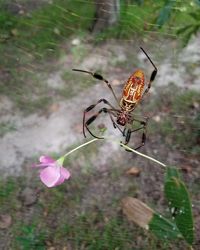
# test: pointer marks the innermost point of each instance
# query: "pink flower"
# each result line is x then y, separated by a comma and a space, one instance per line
52, 173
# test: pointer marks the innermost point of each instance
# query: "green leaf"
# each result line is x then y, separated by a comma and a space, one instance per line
195, 15
184, 29
187, 36
191, 29
165, 13
179, 201
145, 217
172, 172
196, 28
164, 228
188, 31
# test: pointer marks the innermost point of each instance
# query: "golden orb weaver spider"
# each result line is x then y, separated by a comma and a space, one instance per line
133, 92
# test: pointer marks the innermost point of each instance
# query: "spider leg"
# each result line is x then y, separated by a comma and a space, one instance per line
124, 131
127, 137
115, 125
153, 74
101, 78
88, 122
143, 140
148, 58
93, 118
144, 127
93, 106
129, 132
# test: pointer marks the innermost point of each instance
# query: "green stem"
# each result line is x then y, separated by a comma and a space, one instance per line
80, 146
143, 155
121, 144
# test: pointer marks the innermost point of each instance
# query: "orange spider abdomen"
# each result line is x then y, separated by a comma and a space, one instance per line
133, 88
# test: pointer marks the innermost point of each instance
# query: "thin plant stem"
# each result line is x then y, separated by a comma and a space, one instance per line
80, 146
143, 155
121, 144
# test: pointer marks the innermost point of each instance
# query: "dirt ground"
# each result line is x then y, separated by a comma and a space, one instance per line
59, 127
52, 132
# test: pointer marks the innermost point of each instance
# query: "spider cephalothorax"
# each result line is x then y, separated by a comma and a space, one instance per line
133, 92
122, 118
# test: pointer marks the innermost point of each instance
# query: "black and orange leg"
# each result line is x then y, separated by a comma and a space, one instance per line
92, 107
101, 78
115, 125
129, 132
153, 74
93, 118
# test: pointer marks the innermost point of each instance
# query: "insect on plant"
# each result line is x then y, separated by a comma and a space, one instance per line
123, 117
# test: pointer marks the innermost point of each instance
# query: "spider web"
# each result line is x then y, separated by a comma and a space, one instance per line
44, 40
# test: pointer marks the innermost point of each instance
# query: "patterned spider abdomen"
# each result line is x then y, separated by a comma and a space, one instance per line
133, 88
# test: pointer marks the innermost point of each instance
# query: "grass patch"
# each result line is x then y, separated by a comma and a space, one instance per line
26, 40
74, 84
29, 106
179, 124
6, 127
60, 218
41, 30
7, 188
29, 237
112, 234
9, 191
140, 19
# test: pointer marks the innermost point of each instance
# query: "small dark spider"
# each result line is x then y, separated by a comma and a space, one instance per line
133, 92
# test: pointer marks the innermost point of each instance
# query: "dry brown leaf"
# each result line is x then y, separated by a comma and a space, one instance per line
28, 196
54, 107
51, 248
133, 171
5, 221
137, 211
45, 212
186, 168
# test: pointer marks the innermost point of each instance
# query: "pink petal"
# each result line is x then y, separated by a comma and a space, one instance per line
65, 173
42, 165
60, 181
50, 176
46, 159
